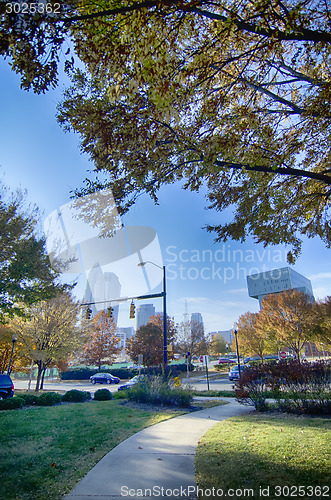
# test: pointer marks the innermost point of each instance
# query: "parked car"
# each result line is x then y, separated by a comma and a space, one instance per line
131, 382
6, 387
234, 372
104, 378
223, 361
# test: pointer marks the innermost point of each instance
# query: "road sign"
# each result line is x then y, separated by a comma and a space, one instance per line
283, 355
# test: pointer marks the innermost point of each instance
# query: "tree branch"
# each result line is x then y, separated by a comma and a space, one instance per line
295, 172
303, 35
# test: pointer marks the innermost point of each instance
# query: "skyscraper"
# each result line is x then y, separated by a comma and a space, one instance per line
196, 317
144, 312
101, 288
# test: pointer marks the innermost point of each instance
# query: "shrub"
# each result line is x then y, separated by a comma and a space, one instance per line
251, 388
86, 373
48, 399
11, 403
215, 394
75, 396
222, 368
296, 387
120, 395
103, 395
161, 391
28, 399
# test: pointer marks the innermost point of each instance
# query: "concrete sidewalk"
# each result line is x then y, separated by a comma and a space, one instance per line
155, 462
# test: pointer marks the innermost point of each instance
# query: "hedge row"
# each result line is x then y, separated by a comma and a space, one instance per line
122, 373
295, 387
86, 373
53, 398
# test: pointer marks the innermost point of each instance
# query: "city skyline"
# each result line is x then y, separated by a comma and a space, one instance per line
201, 275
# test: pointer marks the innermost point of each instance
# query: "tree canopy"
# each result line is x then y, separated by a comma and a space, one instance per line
190, 338
49, 332
289, 318
230, 96
26, 276
148, 341
254, 338
103, 344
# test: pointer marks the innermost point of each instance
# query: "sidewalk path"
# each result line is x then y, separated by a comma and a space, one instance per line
156, 462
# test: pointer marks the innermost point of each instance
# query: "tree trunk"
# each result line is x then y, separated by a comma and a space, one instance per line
30, 375
42, 377
38, 376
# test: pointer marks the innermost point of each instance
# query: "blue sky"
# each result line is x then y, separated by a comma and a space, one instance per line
210, 278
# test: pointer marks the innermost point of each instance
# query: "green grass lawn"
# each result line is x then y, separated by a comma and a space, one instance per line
46, 450
218, 394
274, 451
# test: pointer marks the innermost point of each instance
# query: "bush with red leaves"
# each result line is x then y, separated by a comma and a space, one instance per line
295, 387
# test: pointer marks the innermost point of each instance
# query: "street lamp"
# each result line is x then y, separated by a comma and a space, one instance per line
235, 331
14, 338
227, 355
165, 341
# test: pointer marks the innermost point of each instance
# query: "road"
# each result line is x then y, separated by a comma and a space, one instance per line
198, 383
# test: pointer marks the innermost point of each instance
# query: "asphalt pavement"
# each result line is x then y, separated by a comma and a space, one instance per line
155, 462
197, 381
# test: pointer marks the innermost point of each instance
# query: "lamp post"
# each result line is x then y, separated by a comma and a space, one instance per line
323, 349
165, 341
235, 331
14, 338
227, 355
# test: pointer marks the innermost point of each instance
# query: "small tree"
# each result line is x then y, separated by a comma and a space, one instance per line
149, 341
50, 332
322, 329
251, 336
19, 360
190, 338
103, 344
217, 345
157, 319
290, 315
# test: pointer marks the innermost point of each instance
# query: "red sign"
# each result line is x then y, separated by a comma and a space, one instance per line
283, 354
201, 359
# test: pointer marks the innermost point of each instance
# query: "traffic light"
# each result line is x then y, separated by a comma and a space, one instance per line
110, 312
132, 310
88, 313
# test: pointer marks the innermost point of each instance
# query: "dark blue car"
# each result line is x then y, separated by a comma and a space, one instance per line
104, 378
6, 387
